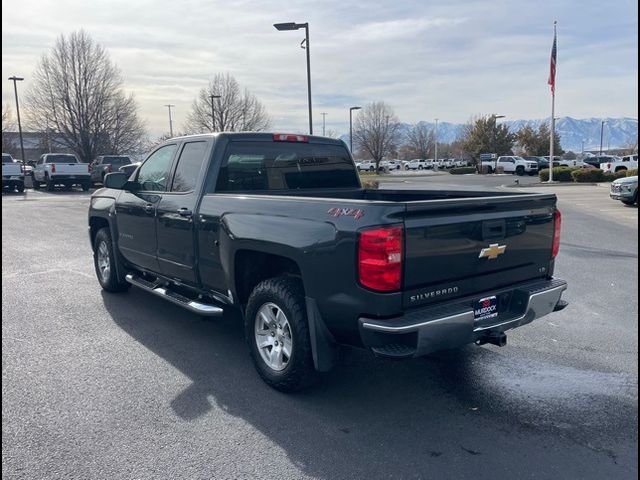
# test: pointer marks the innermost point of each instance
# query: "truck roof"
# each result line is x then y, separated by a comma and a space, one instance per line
259, 136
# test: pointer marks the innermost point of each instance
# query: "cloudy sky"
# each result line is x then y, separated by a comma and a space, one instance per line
440, 58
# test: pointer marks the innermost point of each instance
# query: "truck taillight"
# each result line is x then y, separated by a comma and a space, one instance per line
53, 168
380, 258
608, 166
290, 137
557, 224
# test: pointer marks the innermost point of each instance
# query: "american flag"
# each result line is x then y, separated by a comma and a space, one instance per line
552, 67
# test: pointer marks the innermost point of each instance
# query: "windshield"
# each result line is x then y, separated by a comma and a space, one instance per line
61, 159
6, 158
116, 160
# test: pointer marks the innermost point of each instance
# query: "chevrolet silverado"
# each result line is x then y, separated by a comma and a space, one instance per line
278, 227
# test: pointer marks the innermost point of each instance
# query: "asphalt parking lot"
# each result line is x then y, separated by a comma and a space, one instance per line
98, 385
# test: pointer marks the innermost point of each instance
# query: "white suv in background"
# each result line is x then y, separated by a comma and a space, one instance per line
417, 164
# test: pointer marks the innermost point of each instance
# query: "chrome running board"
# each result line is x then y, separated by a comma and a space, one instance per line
194, 306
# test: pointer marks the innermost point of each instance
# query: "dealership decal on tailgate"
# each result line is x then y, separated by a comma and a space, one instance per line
486, 308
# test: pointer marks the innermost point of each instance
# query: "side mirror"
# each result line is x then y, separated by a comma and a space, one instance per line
115, 180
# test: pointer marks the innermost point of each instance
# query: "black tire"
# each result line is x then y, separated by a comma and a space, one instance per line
86, 186
288, 295
50, 185
36, 184
520, 171
20, 187
621, 169
632, 202
109, 282
420, 167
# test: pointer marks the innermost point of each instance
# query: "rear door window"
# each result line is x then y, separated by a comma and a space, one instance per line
251, 166
189, 166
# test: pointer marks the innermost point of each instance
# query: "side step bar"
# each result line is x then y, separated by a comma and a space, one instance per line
200, 308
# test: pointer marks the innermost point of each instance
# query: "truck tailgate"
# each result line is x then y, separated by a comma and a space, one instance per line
71, 169
11, 169
455, 249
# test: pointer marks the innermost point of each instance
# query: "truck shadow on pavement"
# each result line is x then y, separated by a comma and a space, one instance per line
373, 418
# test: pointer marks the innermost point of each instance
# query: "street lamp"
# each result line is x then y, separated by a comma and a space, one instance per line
305, 44
601, 134
324, 114
170, 120
351, 127
213, 117
15, 79
495, 117
435, 160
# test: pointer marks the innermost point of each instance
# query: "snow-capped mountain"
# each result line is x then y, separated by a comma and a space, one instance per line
617, 132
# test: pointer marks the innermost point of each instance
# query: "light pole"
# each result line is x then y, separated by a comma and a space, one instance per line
582, 152
213, 117
493, 137
435, 154
601, 134
351, 127
15, 79
324, 114
170, 120
306, 46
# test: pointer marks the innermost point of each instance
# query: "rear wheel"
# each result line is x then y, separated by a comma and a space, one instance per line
277, 332
20, 187
36, 184
86, 186
50, 184
107, 263
520, 171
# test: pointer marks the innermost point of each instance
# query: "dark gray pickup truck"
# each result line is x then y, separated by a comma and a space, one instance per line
279, 227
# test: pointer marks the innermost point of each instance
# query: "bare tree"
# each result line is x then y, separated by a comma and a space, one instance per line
376, 131
235, 110
8, 124
421, 140
78, 93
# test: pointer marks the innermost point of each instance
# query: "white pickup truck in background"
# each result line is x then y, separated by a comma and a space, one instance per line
12, 176
512, 164
626, 163
61, 169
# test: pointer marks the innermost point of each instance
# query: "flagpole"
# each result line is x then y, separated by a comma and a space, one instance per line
553, 115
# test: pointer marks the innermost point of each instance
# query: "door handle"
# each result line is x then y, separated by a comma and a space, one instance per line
185, 212
148, 208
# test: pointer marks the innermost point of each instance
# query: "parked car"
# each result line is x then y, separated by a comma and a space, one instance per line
512, 164
395, 165
417, 164
626, 163
598, 160
389, 165
367, 166
12, 176
106, 164
129, 169
61, 169
625, 189
541, 161
311, 260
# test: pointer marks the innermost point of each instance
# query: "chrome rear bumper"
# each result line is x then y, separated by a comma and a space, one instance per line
453, 324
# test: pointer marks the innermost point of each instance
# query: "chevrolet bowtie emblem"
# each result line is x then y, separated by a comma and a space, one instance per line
493, 251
